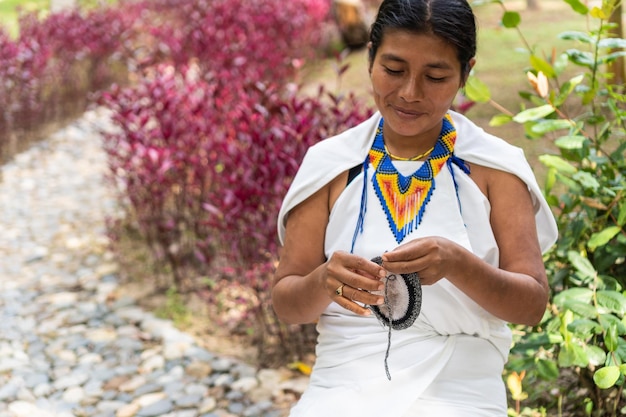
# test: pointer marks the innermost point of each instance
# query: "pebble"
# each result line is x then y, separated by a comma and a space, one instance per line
67, 347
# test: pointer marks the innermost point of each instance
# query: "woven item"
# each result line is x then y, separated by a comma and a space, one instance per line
403, 300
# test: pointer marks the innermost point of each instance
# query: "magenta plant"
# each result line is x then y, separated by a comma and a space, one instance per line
239, 40
211, 131
49, 69
204, 169
23, 65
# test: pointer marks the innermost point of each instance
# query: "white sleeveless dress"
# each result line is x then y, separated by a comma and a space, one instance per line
449, 363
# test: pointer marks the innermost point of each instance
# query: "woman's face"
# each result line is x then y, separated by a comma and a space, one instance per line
415, 78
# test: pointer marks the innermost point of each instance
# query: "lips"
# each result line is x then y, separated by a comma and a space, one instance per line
406, 112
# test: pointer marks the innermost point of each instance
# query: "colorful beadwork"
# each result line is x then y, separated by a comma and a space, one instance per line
404, 199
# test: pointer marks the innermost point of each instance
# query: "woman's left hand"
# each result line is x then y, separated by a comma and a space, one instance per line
432, 258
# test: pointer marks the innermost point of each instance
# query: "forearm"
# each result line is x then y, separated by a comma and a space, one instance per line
300, 299
516, 297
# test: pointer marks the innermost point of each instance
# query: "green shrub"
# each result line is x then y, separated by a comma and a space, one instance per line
581, 334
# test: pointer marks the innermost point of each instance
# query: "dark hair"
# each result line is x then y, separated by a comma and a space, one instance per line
451, 20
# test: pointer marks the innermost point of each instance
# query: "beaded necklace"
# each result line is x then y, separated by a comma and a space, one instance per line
404, 198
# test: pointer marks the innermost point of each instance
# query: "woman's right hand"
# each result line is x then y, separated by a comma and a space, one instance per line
349, 280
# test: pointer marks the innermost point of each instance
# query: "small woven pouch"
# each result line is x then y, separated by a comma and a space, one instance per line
403, 302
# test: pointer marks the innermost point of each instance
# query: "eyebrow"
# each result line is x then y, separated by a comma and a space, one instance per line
396, 58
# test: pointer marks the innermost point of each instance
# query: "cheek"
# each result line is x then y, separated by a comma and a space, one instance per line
381, 86
444, 95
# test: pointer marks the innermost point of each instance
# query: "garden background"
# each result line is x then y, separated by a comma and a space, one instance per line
216, 101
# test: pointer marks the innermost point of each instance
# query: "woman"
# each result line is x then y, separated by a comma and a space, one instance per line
434, 197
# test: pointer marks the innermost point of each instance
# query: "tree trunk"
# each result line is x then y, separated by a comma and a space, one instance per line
350, 18
532, 4
617, 67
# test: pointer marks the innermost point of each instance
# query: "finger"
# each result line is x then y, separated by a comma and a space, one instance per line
351, 305
406, 252
398, 266
353, 278
364, 297
365, 267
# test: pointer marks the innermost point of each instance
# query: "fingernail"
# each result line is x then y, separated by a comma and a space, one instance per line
382, 273
380, 301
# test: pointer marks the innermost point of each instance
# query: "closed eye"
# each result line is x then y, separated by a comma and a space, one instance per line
392, 71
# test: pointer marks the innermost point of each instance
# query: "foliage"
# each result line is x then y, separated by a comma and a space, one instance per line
210, 136
236, 40
58, 59
585, 117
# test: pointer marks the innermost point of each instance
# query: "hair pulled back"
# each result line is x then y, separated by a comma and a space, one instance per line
451, 20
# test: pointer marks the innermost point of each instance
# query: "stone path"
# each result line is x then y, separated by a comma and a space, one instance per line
67, 346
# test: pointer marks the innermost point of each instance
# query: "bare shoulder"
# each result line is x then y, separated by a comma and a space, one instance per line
308, 219
335, 188
496, 184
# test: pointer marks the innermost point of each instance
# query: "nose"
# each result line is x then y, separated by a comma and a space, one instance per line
411, 89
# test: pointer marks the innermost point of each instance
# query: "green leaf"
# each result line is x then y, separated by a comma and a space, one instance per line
612, 300
609, 320
621, 351
547, 369
511, 19
581, 309
578, 6
581, 264
572, 185
587, 180
611, 338
558, 163
567, 88
584, 59
612, 43
542, 65
550, 125
534, 113
570, 142
602, 238
612, 57
572, 355
500, 120
476, 90
573, 35
621, 217
573, 82
606, 377
584, 328
596, 355
584, 295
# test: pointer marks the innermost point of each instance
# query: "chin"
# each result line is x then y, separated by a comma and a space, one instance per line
413, 127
